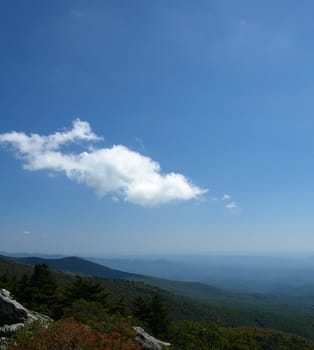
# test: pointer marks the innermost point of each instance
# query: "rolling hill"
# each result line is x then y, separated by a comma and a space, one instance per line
195, 290
179, 307
78, 266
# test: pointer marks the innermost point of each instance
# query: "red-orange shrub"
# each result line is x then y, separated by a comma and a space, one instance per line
69, 334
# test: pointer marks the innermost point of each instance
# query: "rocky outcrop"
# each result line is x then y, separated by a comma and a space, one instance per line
147, 341
14, 315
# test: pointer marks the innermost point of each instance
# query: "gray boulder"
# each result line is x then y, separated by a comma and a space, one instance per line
147, 341
14, 315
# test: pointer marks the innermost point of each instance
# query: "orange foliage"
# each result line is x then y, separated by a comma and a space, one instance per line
71, 335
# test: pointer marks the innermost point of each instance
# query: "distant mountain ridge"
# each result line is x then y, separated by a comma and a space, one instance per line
195, 290
272, 274
78, 266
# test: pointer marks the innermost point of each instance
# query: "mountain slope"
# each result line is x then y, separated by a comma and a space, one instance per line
182, 308
195, 290
78, 266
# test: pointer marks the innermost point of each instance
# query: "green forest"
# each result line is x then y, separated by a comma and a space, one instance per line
110, 307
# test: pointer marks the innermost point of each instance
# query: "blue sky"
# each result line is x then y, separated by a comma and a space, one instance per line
219, 93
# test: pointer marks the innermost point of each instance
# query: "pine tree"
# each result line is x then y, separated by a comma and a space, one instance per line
39, 291
120, 308
158, 317
43, 286
153, 313
86, 289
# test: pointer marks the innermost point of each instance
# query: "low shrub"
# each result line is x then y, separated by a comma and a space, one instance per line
69, 334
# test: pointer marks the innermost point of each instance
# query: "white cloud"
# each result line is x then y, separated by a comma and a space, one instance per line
117, 170
226, 197
233, 207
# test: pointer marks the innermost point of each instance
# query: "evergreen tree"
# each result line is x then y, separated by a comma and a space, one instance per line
86, 289
39, 291
140, 309
153, 313
4, 280
22, 290
7, 281
158, 316
120, 308
43, 286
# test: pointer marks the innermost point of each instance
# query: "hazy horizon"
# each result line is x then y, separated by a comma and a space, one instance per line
165, 255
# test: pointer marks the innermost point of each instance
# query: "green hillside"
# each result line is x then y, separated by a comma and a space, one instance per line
201, 292
182, 307
246, 301
190, 324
